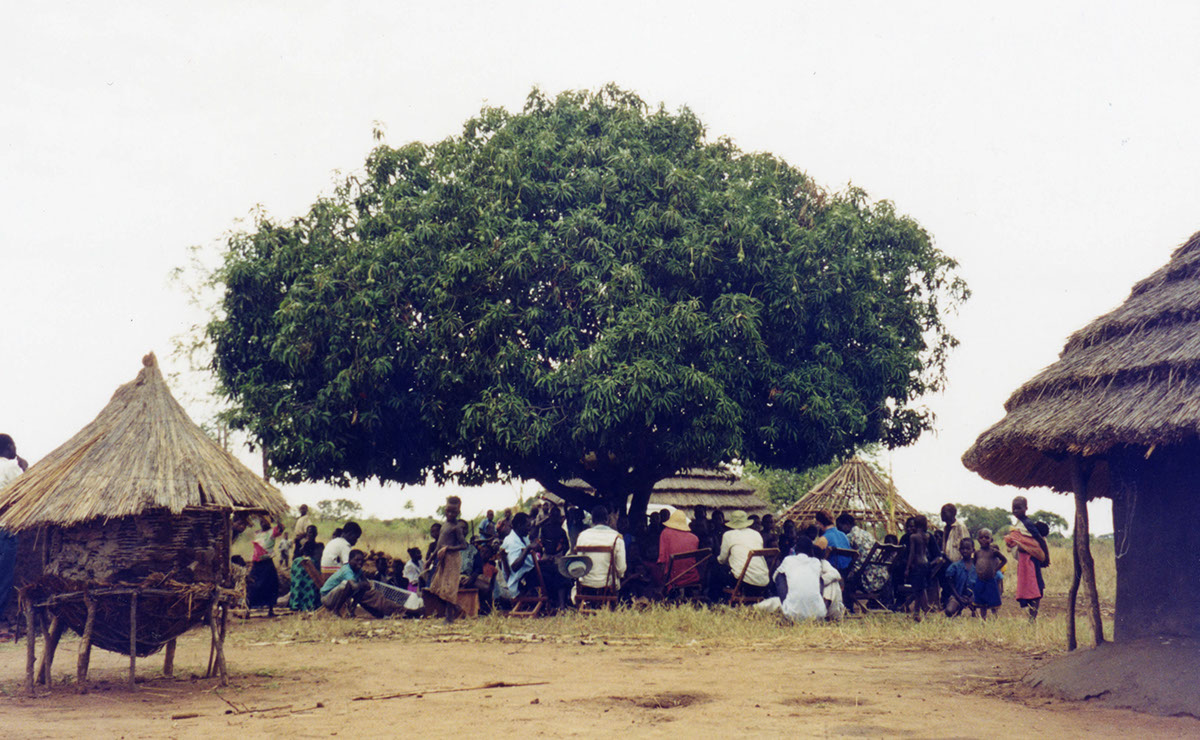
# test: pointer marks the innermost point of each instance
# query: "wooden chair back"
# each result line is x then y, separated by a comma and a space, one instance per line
698, 561
529, 605
857, 596
589, 599
736, 597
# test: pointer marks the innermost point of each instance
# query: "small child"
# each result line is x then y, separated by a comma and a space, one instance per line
960, 576
988, 562
917, 570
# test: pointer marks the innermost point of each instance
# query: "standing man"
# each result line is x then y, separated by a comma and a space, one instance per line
11, 466
300, 528
956, 532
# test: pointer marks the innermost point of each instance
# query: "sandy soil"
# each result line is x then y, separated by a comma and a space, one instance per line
309, 690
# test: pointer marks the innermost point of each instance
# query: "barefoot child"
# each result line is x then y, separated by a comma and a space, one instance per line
960, 579
988, 562
917, 570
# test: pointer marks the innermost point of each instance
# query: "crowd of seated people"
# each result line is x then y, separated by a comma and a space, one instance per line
801, 570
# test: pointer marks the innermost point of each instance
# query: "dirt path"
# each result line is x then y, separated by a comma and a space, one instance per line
590, 690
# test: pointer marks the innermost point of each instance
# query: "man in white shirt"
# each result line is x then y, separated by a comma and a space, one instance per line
519, 555
11, 467
798, 581
11, 464
603, 535
736, 545
337, 550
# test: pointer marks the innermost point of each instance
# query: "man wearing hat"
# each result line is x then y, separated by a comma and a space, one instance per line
735, 549
677, 537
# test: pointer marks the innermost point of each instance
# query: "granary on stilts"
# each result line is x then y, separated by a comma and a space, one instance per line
854, 488
712, 489
124, 530
1118, 416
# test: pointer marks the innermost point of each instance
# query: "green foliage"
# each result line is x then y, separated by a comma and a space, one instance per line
341, 508
978, 517
586, 289
781, 487
1057, 524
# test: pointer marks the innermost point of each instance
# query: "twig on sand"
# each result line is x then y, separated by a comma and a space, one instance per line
243, 709
994, 679
492, 685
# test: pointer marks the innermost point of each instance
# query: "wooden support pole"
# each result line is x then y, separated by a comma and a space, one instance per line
85, 644
1086, 567
1073, 593
53, 635
30, 646
133, 601
219, 641
169, 659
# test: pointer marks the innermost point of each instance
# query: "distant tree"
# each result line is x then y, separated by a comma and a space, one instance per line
978, 517
1057, 524
341, 508
589, 288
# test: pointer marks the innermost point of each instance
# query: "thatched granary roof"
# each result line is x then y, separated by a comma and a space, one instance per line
142, 452
857, 489
1129, 378
713, 489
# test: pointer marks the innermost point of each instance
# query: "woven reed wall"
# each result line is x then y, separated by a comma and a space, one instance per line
190, 546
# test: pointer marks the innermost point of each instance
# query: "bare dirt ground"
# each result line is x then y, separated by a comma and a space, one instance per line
586, 690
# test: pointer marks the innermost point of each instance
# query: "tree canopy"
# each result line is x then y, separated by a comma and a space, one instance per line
588, 288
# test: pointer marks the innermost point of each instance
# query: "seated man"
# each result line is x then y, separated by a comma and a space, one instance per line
519, 554
677, 537
337, 550
346, 585
836, 538
736, 545
602, 535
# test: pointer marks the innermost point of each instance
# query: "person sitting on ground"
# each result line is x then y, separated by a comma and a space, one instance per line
677, 537
960, 579
917, 566
412, 570
831, 581
798, 583
337, 550
736, 545
487, 528
304, 593
347, 586
520, 554
602, 535
836, 538
988, 578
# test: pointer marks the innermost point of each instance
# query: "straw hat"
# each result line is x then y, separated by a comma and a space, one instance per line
737, 519
678, 520
573, 567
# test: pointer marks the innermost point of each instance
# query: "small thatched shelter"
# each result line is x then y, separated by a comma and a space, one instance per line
854, 488
1118, 415
136, 506
712, 489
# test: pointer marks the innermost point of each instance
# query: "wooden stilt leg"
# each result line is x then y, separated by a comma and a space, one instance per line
169, 659
85, 645
1073, 593
1088, 569
30, 647
133, 601
221, 649
52, 637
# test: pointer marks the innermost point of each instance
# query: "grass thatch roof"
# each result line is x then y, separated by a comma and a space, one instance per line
857, 489
713, 489
142, 452
1129, 378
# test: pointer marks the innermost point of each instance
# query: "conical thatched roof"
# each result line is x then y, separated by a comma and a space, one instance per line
142, 452
1130, 378
713, 489
857, 489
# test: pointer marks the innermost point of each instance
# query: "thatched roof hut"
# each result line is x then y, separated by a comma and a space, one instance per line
141, 453
1118, 415
854, 488
138, 503
712, 489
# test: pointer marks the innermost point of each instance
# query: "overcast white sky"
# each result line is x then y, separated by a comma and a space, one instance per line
1050, 148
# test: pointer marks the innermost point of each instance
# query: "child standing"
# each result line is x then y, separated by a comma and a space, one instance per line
988, 562
917, 570
960, 579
